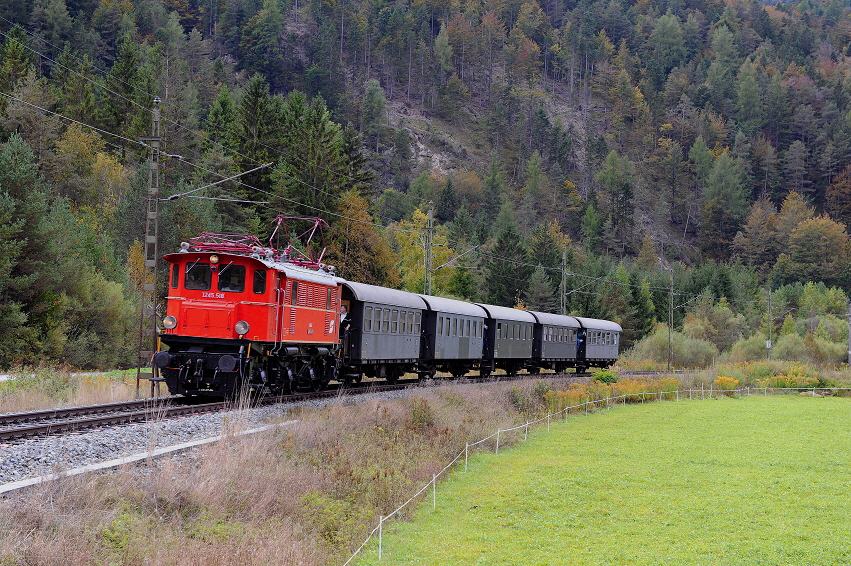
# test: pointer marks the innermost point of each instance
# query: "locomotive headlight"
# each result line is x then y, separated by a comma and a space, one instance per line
214, 259
170, 322
242, 328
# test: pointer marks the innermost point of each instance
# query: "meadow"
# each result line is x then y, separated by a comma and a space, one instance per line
736, 480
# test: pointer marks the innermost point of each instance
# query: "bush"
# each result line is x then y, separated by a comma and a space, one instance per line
605, 375
749, 349
687, 352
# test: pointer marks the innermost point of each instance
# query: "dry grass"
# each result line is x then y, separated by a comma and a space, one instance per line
307, 493
34, 389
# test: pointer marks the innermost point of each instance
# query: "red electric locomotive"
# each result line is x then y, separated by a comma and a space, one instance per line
243, 317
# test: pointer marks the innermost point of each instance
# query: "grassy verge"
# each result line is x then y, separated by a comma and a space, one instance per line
749, 480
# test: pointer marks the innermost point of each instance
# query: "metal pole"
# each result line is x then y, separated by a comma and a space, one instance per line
671, 319
563, 289
148, 315
771, 324
429, 236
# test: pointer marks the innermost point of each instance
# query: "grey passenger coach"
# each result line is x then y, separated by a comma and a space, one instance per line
452, 336
383, 335
555, 341
597, 343
508, 340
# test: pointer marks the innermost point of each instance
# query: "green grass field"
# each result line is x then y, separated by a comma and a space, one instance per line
751, 480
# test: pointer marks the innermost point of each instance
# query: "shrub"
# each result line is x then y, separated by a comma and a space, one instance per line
687, 352
605, 375
790, 347
748, 349
726, 383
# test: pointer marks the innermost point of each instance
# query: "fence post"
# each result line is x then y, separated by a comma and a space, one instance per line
497, 441
678, 394
466, 453
434, 492
642, 396
380, 529
526, 433
548, 423
586, 408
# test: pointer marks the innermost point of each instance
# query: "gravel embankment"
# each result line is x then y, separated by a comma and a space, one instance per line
49, 455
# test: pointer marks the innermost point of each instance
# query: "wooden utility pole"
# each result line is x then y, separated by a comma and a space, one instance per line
148, 315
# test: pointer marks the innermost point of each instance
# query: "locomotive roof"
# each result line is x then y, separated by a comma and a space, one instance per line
556, 319
597, 324
505, 313
453, 306
302, 273
288, 269
385, 296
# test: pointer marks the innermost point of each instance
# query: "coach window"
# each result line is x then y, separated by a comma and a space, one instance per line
260, 282
199, 277
367, 319
417, 322
385, 322
403, 320
175, 275
499, 330
394, 322
410, 322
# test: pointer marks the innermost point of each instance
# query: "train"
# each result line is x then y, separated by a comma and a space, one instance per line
243, 317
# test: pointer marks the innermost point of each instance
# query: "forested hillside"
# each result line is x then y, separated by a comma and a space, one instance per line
637, 156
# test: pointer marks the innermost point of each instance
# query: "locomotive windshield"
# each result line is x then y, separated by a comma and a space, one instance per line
199, 277
232, 278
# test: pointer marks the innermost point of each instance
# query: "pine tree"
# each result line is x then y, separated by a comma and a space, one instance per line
540, 294
506, 270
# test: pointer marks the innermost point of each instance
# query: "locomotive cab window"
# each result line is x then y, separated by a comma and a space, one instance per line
175, 276
259, 281
232, 278
199, 277
294, 293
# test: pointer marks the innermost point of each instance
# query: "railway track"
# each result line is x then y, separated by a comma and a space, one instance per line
19, 426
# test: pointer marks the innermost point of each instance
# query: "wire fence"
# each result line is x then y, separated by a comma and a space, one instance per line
585, 406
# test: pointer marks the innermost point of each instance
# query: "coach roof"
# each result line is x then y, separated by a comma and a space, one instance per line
385, 296
556, 319
452, 306
505, 313
597, 324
